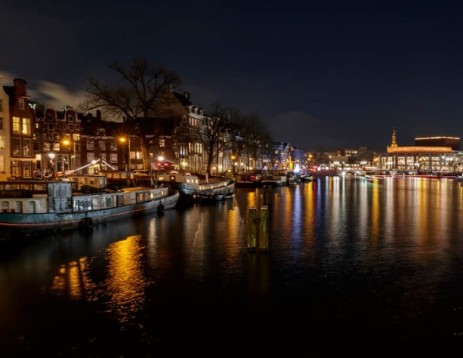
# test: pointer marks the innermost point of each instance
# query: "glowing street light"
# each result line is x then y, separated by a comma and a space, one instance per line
126, 141
183, 163
67, 143
52, 163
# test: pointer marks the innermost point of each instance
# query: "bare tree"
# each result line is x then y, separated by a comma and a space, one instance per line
212, 134
256, 137
236, 138
145, 91
229, 132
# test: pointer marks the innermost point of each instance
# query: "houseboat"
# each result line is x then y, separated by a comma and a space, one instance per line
31, 206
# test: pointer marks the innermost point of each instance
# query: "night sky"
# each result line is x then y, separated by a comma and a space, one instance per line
323, 75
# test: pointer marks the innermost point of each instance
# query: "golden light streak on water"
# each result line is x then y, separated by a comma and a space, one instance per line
125, 282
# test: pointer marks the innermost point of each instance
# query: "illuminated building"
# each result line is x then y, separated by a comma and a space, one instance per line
434, 154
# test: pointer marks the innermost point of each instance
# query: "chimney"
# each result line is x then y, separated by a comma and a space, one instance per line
20, 87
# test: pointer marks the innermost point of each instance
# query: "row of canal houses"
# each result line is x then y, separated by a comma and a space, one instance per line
44, 142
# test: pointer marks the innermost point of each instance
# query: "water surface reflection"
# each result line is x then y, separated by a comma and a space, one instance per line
348, 258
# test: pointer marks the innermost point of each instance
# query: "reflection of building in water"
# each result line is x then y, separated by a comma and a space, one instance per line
436, 154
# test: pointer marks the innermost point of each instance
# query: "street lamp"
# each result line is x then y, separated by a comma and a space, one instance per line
67, 143
159, 163
125, 140
52, 162
232, 160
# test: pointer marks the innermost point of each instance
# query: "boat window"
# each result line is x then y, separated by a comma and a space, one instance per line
5, 206
120, 200
83, 205
18, 207
32, 206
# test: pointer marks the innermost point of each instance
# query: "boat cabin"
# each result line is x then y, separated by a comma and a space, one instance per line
35, 196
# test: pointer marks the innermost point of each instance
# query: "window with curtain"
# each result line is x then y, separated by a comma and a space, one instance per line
26, 126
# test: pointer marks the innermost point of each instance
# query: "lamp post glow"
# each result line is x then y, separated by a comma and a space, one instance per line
233, 164
52, 162
160, 160
126, 140
67, 143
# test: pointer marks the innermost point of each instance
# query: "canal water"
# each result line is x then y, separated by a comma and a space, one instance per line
346, 260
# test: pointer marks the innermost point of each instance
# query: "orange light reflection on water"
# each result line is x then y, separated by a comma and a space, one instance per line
125, 282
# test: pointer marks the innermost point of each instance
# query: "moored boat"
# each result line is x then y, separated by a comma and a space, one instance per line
252, 180
274, 180
307, 178
192, 189
211, 197
31, 206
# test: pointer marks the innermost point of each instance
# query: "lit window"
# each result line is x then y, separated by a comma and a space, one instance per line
16, 146
26, 126
26, 144
16, 124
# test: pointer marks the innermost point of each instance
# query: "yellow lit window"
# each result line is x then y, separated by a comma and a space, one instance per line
26, 126
16, 124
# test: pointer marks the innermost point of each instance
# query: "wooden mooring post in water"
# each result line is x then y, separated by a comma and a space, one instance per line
258, 221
